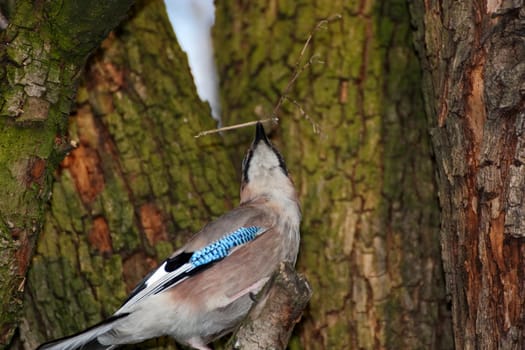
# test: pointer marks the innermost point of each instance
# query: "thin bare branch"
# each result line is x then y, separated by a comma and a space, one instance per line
236, 126
298, 69
315, 126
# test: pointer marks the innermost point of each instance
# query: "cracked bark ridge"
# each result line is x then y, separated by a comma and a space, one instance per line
271, 320
473, 58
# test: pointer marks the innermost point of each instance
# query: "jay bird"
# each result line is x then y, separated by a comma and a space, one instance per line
204, 289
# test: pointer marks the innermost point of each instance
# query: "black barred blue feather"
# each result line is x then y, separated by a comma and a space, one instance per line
204, 289
221, 248
178, 268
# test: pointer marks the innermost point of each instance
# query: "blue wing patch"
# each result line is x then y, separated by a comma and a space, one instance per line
178, 268
221, 248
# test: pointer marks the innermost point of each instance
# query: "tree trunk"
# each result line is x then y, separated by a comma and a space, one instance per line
42, 52
473, 58
271, 320
370, 245
134, 189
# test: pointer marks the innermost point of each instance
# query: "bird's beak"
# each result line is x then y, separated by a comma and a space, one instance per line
260, 135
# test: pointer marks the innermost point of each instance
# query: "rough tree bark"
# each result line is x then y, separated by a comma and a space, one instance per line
473, 57
137, 185
42, 52
370, 244
280, 305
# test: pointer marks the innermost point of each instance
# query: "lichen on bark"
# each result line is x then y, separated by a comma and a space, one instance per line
136, 187
37, 82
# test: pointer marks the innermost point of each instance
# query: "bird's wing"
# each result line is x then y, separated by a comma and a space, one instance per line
213, 243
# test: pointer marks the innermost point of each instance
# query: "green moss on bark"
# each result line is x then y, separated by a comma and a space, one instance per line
366, 181
138, 185
37, 82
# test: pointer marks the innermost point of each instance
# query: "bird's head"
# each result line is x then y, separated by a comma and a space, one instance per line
264, 172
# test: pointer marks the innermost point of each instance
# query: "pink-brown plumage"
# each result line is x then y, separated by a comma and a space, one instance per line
195, 305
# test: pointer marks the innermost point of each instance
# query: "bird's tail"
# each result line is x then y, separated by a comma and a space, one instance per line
85, 340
